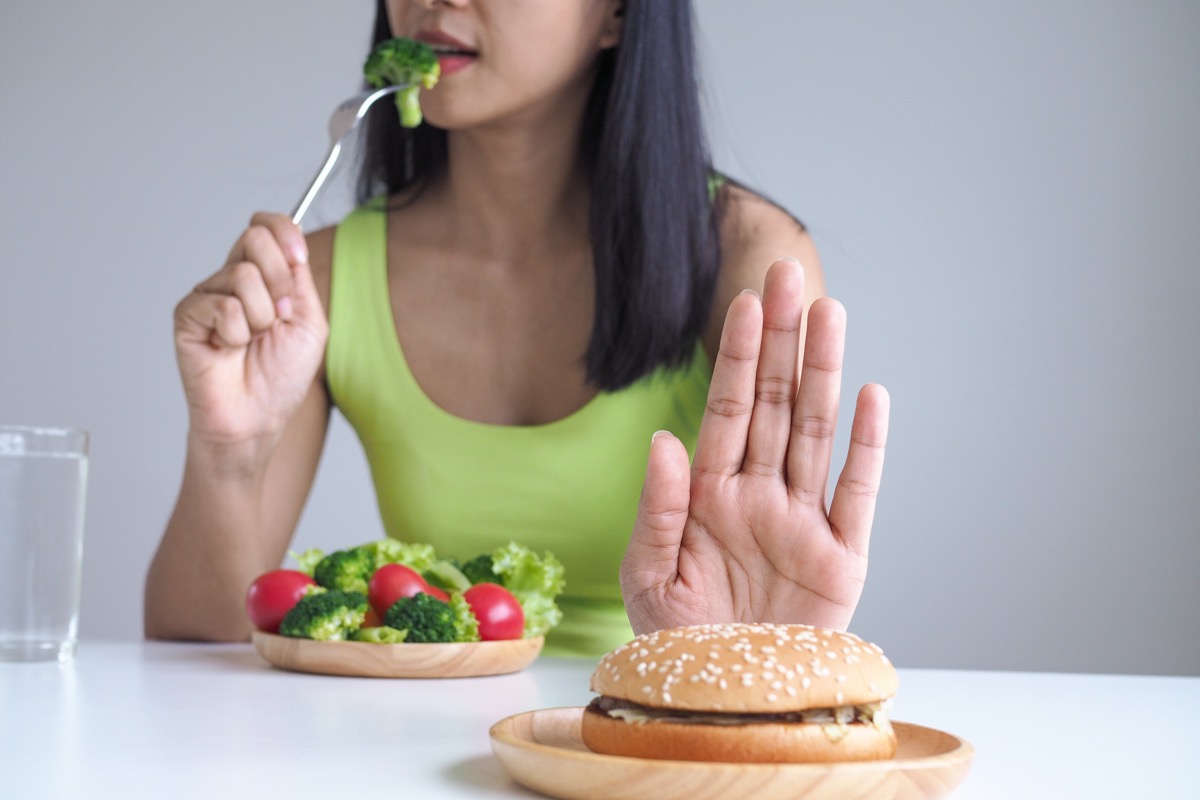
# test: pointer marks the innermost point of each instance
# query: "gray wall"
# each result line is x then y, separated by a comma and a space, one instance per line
1002, 195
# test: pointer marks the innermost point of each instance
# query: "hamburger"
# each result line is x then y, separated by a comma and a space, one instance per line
743, 693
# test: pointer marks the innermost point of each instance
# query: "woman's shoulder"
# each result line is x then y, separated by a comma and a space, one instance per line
755, 233
321, 241
755, 229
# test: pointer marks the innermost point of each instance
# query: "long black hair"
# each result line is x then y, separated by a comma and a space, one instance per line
653, 223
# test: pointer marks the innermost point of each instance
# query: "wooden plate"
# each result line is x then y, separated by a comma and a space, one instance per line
543, 751
369, 660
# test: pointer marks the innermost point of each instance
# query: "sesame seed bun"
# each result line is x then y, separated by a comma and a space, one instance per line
743, 692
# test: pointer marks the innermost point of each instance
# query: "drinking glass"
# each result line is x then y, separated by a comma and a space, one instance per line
43, 483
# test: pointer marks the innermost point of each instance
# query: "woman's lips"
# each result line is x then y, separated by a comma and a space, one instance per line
450, 63
453, 55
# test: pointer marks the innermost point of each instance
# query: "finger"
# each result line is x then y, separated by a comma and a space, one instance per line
814, 419
287, 233
853, 508
244, 281
306, 302
721, 444
218, 320
652, 557
276, 244
775, 386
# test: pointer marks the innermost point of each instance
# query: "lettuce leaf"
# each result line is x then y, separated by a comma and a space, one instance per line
418, 556
535, 581
307, 561
466, 625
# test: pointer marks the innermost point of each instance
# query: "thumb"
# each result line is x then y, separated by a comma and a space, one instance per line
652, 558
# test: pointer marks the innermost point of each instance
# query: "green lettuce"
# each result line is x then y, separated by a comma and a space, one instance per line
466, 625
535, 582
384, 551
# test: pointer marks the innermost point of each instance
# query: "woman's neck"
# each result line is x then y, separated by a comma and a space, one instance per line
515, 191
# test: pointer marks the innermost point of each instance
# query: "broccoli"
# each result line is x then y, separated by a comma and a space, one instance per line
325, 615
380, 634
426, 618
406, 63
348, 570
479, 570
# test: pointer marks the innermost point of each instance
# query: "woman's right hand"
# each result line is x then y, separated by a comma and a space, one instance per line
250, 339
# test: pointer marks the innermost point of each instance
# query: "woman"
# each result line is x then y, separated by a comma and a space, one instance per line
544, 287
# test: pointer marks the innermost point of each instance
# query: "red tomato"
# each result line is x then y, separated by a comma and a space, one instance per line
500, 615
393, 581
273, 594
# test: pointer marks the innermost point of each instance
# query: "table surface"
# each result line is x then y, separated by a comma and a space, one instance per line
142, 719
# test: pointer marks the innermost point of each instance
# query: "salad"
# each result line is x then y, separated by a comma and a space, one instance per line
389, 592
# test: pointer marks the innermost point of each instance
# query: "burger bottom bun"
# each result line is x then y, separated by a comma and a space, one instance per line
762, 742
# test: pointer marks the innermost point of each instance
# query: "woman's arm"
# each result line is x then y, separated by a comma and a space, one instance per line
250, 343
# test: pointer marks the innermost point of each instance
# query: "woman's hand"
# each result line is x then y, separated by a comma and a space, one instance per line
745, 534
249, 340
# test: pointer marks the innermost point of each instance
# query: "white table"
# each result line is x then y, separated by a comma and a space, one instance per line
133, 720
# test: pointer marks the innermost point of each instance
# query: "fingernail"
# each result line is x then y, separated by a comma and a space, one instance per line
283, 307
657, 434
298, 253
750, 291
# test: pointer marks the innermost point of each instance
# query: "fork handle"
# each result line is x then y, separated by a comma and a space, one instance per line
317, 182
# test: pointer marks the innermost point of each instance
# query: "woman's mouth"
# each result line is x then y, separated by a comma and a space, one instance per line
452, 54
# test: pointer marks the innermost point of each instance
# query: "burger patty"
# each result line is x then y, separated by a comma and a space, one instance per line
873, 714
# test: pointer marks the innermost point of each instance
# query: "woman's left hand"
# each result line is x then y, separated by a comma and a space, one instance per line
745, 535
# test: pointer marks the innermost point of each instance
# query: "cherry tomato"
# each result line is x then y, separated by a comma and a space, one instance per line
499, 613
273, 594
393, 581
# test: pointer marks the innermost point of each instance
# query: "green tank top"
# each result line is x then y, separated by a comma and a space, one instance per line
570, 486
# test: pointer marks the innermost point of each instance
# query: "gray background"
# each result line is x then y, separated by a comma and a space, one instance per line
1003, 194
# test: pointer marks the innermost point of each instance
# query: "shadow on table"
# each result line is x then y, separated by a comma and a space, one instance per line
485, 777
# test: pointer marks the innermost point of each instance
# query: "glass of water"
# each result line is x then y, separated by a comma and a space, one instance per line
43, 483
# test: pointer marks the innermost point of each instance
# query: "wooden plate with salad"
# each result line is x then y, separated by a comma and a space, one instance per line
406, 660
391, 609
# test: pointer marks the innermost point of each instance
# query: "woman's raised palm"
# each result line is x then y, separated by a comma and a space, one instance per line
745, 534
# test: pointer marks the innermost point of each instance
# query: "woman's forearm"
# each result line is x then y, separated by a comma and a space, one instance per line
213, 547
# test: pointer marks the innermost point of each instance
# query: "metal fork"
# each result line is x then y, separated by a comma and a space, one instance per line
342, 121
